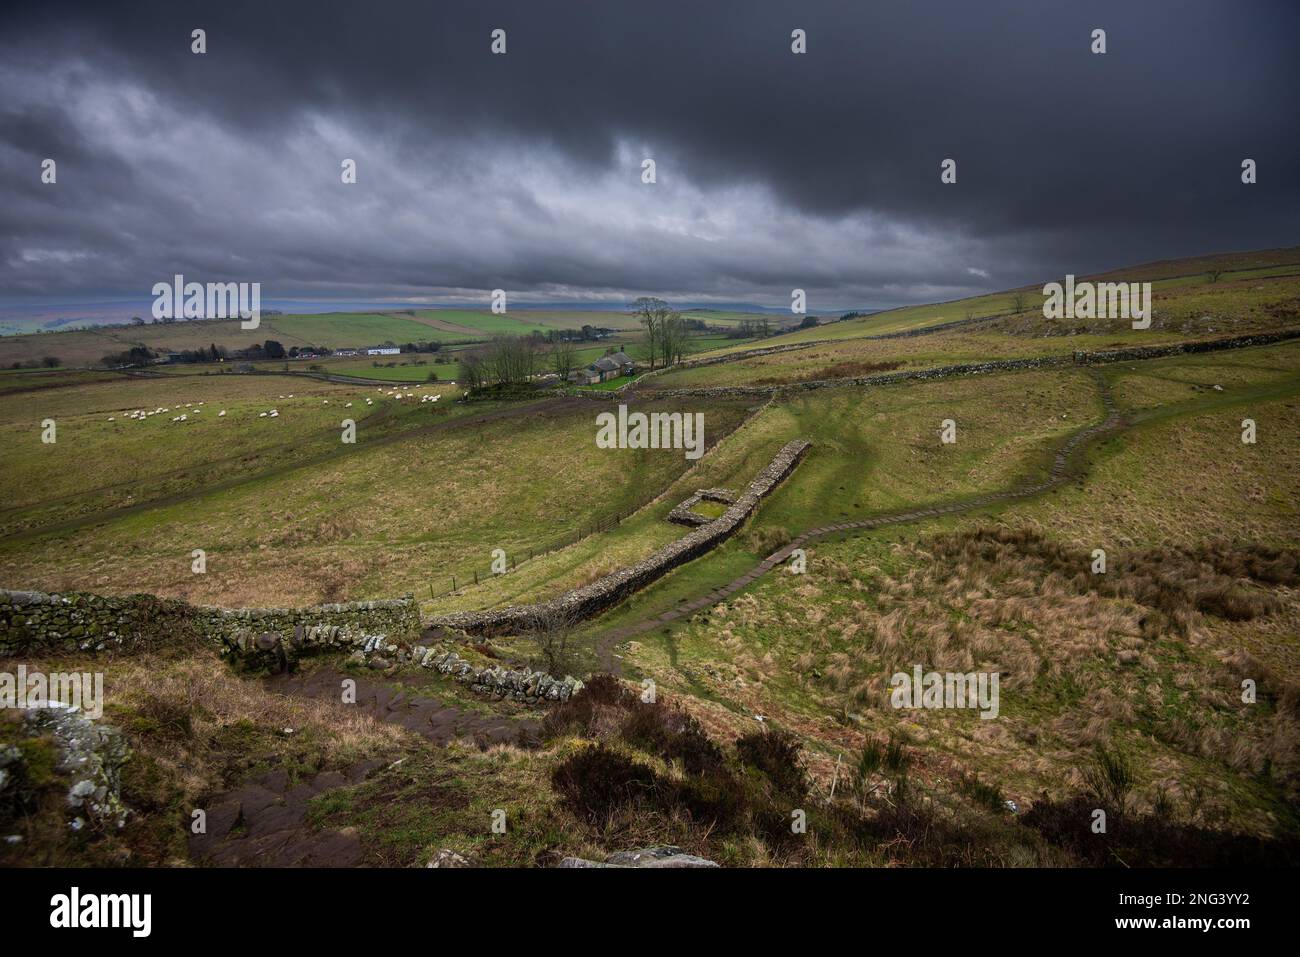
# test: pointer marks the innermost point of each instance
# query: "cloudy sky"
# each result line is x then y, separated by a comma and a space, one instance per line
477, 171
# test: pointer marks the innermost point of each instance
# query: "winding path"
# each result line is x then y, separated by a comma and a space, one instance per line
1058, 476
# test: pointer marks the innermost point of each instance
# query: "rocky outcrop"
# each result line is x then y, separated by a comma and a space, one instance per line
87, 753
581, 603
445, 857
660, 856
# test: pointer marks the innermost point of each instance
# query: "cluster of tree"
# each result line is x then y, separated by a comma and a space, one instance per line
666, 331
270, 349
45, 362
751, 329
588, 333
135, 356
563, 358
421, 346
212, 353
506, 361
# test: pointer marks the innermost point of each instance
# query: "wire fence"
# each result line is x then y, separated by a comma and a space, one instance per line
452, 581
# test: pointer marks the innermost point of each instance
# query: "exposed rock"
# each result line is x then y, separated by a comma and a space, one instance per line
91, 754
664, 855
447, 858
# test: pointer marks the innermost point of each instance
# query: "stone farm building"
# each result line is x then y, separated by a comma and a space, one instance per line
384, 351
605, 368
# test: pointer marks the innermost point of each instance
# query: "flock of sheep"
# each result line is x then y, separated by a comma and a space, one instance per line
194, 408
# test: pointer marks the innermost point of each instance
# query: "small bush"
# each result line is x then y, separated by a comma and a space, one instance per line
984, 795
871, 760
598, 782
167, 716
897, 759
765, 541
776, 754
583, 713
1110, 778
673, 735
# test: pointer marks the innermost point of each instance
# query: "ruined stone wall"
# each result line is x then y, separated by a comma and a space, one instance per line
492, 681
581, 603
34, 623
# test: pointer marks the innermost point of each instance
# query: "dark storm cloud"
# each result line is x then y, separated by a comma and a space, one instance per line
522, 171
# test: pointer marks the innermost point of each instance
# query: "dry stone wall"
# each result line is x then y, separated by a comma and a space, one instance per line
34, 623
492, 681
574, 606
685, 514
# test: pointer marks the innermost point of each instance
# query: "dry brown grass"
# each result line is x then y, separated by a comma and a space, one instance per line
1155, 651
202, 691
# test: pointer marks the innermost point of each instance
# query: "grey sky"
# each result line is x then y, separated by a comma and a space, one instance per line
523, 171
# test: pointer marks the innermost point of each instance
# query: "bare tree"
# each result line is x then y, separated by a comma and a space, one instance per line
564, 357
473, 371
1018, 303
652, 313
672, 338
550, 626
511, 360
1215, 274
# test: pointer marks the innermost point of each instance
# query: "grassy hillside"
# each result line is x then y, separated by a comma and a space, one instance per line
1119, 689
1164, 276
